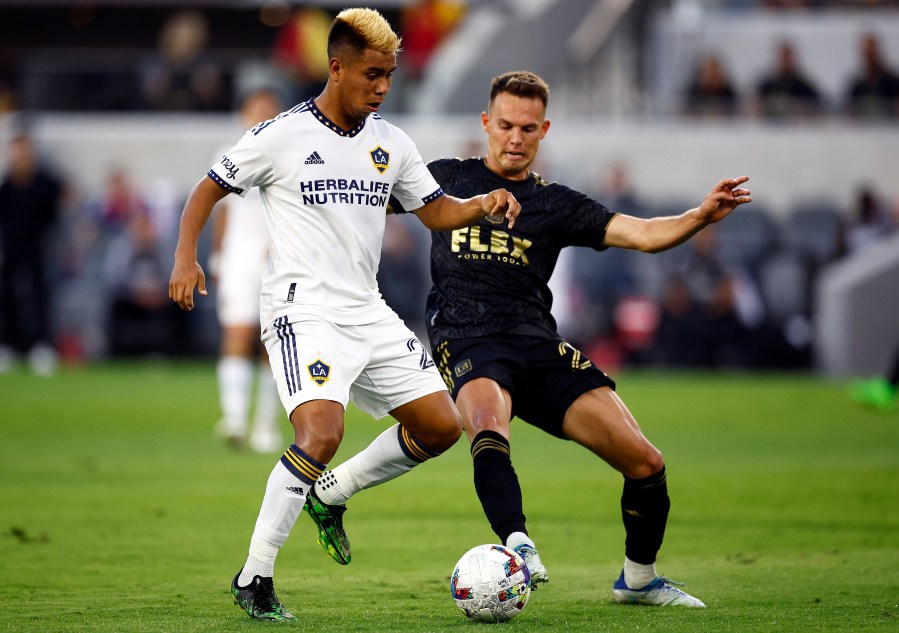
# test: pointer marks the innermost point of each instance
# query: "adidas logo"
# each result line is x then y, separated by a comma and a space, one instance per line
314, 159
295, 490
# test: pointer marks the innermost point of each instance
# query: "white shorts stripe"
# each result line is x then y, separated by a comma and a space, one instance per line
289, 355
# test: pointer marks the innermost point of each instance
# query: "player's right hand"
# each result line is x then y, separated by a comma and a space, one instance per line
501, 203
186, 276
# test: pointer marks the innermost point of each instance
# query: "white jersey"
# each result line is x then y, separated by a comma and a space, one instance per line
325, 192
243, 259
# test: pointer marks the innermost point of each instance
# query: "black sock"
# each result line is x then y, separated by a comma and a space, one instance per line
497, 484
644, 509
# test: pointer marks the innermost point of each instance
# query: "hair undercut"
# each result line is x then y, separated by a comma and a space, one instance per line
520, 83
355, 30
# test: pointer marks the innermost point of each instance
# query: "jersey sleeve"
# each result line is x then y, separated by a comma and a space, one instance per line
243, 166
442, 168
585, 219
415, 186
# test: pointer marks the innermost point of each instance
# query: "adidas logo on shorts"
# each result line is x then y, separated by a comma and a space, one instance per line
314, 159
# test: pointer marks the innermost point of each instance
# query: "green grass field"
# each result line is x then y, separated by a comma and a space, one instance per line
119, 511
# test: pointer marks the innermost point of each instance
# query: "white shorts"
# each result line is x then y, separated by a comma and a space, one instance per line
379, 366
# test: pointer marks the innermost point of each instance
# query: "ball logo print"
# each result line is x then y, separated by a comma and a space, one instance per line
491, 583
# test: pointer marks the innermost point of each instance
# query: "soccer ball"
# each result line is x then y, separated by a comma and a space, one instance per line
491, 583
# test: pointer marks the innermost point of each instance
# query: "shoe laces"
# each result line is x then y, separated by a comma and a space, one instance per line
335, 513
668, 581
526, 551
264, 597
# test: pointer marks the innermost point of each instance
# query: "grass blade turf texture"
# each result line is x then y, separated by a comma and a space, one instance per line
120, 511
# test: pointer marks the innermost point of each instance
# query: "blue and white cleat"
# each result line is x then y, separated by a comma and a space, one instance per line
535, 566
659, 592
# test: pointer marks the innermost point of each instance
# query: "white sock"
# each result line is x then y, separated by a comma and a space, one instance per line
637, 576
256, 567
386, 458
235, 379
267, 402
285, 494
519, 538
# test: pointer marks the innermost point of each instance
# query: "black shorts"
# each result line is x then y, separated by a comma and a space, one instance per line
544, 374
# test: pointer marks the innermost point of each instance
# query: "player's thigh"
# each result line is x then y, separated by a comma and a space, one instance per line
313, 360
557, 376
399, 370
600, 421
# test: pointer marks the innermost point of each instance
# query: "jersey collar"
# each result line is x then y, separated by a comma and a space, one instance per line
531, 174
328, 123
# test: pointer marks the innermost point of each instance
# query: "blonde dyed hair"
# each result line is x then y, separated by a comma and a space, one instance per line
359, 28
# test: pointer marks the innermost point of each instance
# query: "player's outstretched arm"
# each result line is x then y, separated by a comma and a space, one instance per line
187, 272
447, 212
659, 234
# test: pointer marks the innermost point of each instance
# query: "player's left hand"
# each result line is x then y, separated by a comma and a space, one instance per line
498, 204
724, 197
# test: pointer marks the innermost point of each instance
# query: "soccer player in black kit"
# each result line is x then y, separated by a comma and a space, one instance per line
496, 343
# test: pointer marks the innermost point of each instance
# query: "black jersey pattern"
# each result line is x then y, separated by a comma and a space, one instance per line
488, 278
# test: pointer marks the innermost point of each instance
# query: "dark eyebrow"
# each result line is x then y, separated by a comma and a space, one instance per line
507, 122
378, 69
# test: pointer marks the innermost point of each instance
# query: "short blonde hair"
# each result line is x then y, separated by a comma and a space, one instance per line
358, 29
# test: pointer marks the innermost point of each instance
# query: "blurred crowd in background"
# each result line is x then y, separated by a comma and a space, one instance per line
785, 92
738, 295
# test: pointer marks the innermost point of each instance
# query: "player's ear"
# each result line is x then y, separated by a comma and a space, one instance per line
544, 129
485, 120
334, 68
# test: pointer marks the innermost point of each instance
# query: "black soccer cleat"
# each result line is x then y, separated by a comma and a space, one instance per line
259, 600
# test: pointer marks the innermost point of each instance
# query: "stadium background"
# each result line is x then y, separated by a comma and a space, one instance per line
119, 509
80, 75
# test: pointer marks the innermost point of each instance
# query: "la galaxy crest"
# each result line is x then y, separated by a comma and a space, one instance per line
380, 159
319, 371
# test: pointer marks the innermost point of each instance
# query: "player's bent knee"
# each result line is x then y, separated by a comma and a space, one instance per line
442, 433
318, 437
483, 421
448, 433
651, 463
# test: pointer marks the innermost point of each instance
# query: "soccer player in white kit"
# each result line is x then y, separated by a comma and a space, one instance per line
325, 170
238, 262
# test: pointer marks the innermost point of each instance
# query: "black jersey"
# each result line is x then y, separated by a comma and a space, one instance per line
488, 278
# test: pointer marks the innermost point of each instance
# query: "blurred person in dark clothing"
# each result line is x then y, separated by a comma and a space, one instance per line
118, 202
710, 92
874, 92
701, 323
182, 75
29, 206
870, 223
785, 92
141, 318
